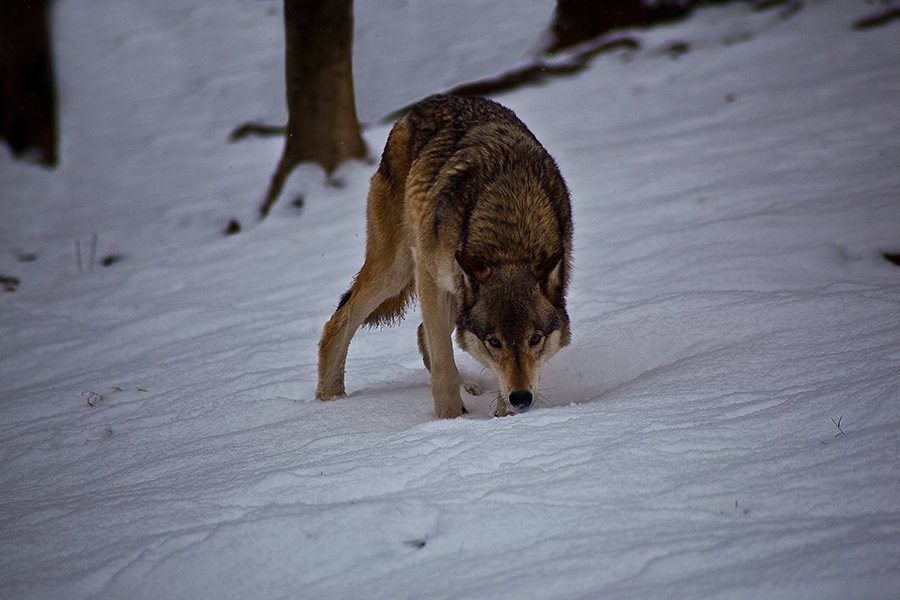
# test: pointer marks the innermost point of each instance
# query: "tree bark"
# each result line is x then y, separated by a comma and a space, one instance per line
576, 21
27, 88
322, 123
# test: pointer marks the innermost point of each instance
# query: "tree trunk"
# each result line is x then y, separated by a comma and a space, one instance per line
576, 21
27, 89
322, 124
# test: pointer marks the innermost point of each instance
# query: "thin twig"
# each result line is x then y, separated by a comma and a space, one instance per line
93, 254
838, 425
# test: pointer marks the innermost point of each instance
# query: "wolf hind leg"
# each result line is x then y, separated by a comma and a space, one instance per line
379, 292
374, 285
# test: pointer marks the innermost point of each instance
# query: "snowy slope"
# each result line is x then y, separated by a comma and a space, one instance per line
729, 300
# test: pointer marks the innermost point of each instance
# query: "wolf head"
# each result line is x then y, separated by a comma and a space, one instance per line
512, 319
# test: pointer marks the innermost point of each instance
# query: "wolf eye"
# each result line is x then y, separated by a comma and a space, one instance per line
535, 340
493, 341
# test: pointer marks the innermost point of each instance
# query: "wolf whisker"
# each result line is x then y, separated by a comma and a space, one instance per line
499, 408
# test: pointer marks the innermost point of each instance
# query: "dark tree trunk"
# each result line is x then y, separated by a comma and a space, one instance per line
576, 21
27, 89
322, 124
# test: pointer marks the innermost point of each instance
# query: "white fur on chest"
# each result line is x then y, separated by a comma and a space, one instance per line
446, 278
444, 275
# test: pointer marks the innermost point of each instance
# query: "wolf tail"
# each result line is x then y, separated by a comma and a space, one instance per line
392, 310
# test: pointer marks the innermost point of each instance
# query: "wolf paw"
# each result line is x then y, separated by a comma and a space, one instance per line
450, 412
329, 392
473, 388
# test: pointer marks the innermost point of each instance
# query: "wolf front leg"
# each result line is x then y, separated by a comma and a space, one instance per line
437, 306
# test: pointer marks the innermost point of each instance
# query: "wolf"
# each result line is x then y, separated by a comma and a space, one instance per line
468, 212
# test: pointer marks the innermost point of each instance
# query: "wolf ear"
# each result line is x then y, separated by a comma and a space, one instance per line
473, 267
541, 270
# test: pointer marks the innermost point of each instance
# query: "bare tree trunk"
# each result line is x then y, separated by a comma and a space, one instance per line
576, 21
322, 124
27, 88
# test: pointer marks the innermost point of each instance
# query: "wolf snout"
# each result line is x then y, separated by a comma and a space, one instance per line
520, 400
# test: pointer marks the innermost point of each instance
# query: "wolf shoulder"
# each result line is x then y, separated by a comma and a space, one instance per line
475, 159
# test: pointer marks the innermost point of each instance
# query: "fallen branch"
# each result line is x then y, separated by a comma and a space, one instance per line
877, 20
535, 73
256, 129
9, 283
838, 425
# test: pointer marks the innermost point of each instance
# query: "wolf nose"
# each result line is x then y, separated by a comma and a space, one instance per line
520, 400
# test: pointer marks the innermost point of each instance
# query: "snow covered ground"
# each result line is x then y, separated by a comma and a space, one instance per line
158, 433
